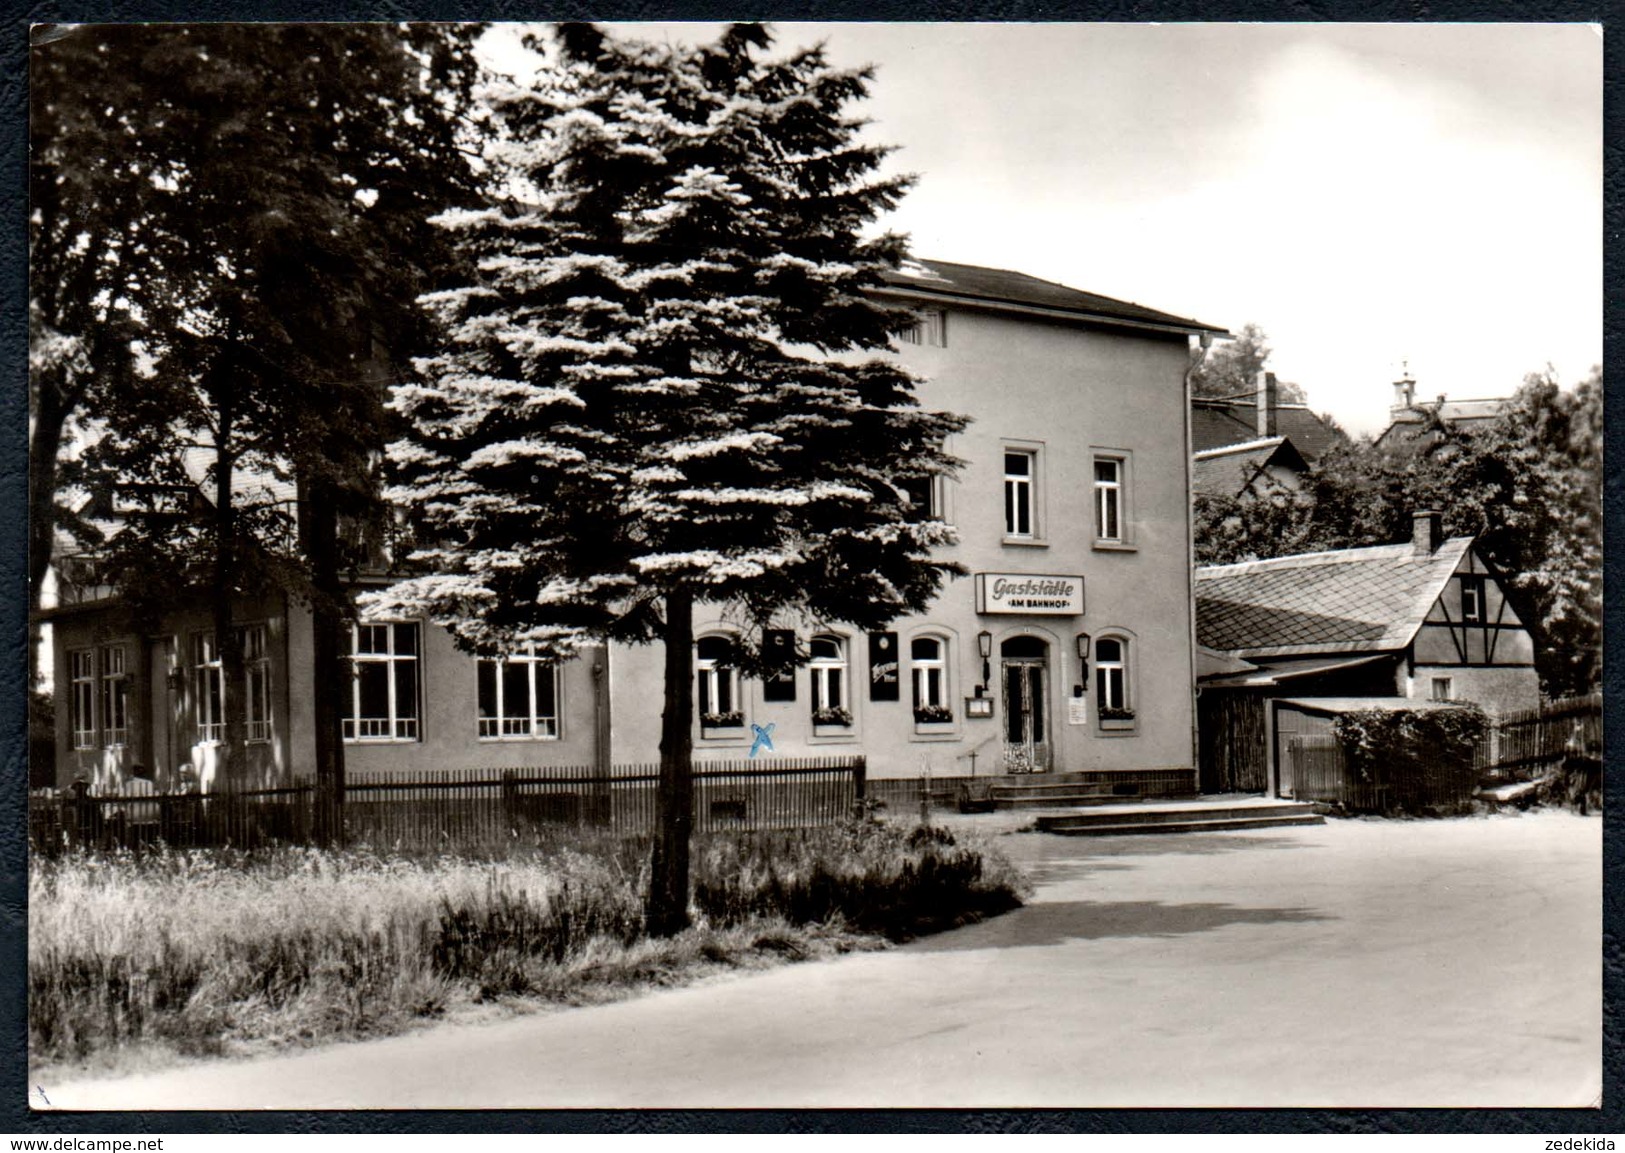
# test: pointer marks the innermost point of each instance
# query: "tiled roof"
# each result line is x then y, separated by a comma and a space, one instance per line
1409, 422
1216, 423
1353, 600
994, 286
1228, 471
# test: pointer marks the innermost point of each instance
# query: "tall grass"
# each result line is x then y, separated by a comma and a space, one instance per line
207, 952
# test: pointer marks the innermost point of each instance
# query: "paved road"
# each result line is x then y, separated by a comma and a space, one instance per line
1362, 963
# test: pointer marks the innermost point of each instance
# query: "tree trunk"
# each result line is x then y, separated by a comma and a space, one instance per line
674, 807
230, 767
328, 674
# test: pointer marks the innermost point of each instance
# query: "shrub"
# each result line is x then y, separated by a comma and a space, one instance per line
1425, 758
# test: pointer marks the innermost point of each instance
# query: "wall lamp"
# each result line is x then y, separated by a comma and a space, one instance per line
1083, 666
984, 646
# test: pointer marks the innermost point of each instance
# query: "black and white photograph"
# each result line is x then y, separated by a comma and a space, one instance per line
791, 566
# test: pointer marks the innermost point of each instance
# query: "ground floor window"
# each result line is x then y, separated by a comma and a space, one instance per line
717, 682
1444, 689
519, 698
828, 668
383, 701
208, 689
257, 674
82, 698
928, 658
209, 685
115, 697
1111, 679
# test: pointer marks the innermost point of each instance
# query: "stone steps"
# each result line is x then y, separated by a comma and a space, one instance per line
1109, 820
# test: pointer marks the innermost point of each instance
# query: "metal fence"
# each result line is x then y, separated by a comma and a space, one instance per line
461, 808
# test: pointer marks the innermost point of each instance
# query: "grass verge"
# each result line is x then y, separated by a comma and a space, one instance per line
137, 960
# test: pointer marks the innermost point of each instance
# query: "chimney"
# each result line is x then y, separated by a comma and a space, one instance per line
1404, 395
1426, 532
1265, 403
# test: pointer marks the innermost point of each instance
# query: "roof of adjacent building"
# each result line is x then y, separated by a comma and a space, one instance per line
1361, 704
1229, 470
1411, 420
1351, 600
996, 287
1217, 423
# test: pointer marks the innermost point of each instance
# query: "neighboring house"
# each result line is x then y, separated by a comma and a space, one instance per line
1410, 420
1069, 644
1223, 422
1248, 470
1425, 620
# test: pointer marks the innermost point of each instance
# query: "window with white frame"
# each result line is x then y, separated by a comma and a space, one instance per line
208, 689
1472, 599
1108, 498
1111, 678
382, 704
931, 329
924, 501
82, 698
518, 698
1444, 688
828, 669
928, 657
115, 697
257, 676
718, 683
1020, 494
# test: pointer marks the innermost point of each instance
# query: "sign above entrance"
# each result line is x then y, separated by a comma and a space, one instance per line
1029, 594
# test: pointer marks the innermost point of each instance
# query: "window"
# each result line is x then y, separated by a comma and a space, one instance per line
928, 657
718, 683
1019, 473
257, 671
209, 685
923, 503
115, 697
828, 668
82, 668
1108, 499
1443, 689
1472, 599
519, 698
383, 700
931, 329
1111, 679
208, 689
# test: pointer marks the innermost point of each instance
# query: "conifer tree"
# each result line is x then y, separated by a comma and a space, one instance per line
655, 390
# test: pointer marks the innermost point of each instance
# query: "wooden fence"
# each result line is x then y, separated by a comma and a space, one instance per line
466, 808
1530, 743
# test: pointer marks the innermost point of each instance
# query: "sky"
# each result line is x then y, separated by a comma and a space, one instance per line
1376, 197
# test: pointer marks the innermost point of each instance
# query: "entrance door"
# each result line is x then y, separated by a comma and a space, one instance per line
1025, 664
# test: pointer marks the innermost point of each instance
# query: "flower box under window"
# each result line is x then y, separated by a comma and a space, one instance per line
832, 718
1111, 718
733, 720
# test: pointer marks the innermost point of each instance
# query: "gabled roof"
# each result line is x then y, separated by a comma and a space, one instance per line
1217, 423
1000, 289
1406, 423
1352, 600
1230, 470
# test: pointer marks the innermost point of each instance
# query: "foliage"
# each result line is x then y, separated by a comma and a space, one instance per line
657, 387
1231, 368
836, 716
1110, 714
1413, 750
933, 715
1527, 486
154, 950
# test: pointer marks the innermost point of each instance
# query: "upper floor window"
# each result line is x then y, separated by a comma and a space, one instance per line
1111, 677
115, 697
1472, 599
930, 329
519, 698
828, 668
923, 494
1108, 499
718, 683
82, 698
1020, 497
382, 704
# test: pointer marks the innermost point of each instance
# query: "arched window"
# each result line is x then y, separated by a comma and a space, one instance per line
1111, 675
929, 658
718, 683
828, 667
